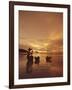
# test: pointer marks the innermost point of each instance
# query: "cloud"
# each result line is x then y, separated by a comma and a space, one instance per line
41, 31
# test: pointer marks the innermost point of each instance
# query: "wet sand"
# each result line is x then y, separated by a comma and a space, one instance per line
43, 69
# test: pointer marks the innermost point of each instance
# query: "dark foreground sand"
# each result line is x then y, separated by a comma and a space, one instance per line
43, 69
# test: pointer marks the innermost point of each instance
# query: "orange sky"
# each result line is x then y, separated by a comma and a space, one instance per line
41, 31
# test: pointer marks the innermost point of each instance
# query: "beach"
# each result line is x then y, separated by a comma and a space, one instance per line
43, 69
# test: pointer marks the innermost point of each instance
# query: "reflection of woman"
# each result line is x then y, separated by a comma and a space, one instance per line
29, 64
30, 60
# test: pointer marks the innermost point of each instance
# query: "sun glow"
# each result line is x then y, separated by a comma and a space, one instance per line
41, 34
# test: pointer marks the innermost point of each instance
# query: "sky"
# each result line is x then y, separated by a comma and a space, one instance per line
41, 31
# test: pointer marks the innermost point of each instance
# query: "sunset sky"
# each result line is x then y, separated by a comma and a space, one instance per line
42, 31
